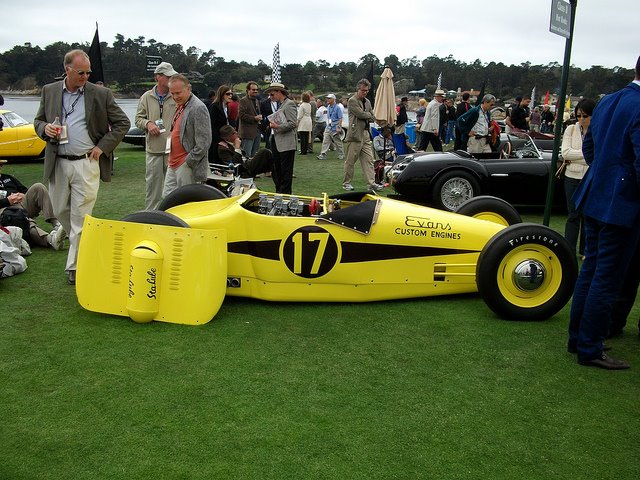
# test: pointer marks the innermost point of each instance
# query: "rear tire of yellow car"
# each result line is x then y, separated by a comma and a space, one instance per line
454, 188
492, 209
155, 217
526, 272
197, 192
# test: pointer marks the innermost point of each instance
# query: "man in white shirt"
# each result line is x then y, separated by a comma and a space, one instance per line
481, 131
431, 123
321, 119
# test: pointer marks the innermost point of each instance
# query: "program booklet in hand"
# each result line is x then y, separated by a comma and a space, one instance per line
277, 117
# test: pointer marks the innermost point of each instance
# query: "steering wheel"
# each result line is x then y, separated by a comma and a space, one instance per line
505, 150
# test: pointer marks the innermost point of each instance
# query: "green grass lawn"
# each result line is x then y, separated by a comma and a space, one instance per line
436, 388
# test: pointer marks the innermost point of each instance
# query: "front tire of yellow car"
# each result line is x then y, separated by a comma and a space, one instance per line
526, 272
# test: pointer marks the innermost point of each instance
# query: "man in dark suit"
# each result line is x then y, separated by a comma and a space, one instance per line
88, 127
267, 107
402, 118
609, 197
462, 108
250, 118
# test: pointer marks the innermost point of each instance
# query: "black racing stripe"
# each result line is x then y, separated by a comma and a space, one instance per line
353, 252
267, 249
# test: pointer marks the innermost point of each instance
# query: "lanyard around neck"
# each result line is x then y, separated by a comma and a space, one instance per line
161, 99
178, 113
73, 106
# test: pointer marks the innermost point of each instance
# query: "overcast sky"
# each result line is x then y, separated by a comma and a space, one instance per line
508, 31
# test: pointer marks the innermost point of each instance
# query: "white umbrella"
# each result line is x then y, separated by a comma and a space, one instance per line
385, 103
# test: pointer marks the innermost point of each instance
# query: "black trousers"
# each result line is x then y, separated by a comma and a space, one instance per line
282, 168
458, 144
627, 296
430, 138
304, 142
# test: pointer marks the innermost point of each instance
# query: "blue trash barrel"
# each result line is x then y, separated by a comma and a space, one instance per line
410, 130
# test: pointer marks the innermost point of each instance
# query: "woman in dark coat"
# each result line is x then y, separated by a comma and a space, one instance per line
219, 113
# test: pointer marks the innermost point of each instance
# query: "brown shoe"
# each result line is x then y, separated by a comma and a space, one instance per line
606, 362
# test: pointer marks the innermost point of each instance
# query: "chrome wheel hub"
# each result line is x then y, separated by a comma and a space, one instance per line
529, 275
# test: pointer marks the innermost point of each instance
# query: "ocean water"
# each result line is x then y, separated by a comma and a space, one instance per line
27, 106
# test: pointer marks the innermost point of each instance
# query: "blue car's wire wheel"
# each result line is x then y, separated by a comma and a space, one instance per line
454, 188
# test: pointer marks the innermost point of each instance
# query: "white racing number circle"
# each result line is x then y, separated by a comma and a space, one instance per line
310, 252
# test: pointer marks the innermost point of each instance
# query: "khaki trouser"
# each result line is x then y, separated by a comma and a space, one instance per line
362, 151
74, 190
478, 145
328, 139
37, 200
156, 168
177, 177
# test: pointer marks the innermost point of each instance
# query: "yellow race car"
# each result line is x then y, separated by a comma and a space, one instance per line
177, 264
18, 137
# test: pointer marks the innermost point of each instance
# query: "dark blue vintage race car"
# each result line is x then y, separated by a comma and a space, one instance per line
518, 173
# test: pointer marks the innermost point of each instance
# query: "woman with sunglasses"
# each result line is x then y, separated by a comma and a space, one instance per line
219, 113
575, 168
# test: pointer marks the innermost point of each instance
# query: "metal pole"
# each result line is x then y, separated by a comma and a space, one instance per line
560, 104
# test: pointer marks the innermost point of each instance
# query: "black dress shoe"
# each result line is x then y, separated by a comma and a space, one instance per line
606, 362
72, 277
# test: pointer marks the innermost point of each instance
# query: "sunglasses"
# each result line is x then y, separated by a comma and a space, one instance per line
229, 94
81, 72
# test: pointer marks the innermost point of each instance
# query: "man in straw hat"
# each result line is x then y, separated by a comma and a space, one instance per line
283, 137
230, 151
431, 123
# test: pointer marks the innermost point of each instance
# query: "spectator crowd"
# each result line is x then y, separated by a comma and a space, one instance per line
82, 125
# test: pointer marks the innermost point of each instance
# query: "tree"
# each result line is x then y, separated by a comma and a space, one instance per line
118, 45
125, 64
393, 63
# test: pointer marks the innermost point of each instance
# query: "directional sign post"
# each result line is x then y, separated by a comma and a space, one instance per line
560, 22
563, 15
152, 62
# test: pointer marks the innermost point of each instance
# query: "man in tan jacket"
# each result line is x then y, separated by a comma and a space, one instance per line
82, 125
358, 140
154, 116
